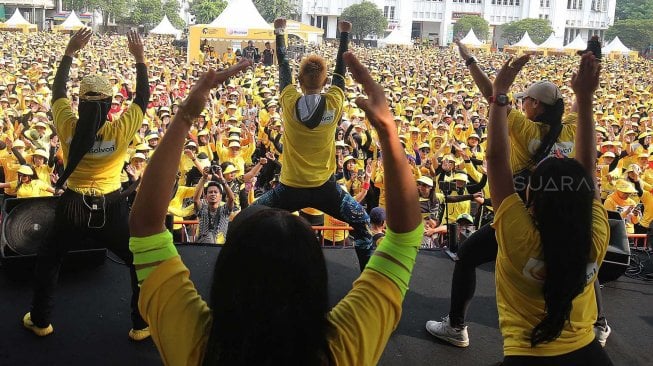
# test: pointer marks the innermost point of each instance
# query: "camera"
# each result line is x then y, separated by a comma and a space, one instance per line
447, 186
215, 169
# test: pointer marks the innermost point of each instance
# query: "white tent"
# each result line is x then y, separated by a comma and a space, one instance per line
16, 19
525, 42
165, 27
241, 14
72, 22
395, 38
616, 46
552, 43
577, 44
471, 39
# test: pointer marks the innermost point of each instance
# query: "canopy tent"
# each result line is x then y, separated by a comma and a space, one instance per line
553, 46
72, 23
238, 23
18, 23
617, 48
525, 45
166, 28
471, 41
307, 33
577, 44
396, 37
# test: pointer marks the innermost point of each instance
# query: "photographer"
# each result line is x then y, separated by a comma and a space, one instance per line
212, 214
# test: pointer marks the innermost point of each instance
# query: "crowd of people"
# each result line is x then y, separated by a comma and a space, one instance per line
255, 140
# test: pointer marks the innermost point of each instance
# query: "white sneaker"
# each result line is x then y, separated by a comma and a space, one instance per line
444, 331
602, 333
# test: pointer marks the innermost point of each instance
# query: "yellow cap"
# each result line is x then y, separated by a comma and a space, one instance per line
95, 84
25, 170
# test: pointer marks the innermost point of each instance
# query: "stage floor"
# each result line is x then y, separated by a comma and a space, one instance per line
91, 317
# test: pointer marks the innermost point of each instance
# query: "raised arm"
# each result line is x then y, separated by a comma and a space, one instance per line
482, 81
285, 76
498, 143
395, 257
584, 83
76, 43
338, 78
151, 204
135, 44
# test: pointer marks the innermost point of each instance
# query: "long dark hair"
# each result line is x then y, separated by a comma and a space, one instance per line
269, 295
561, 194
551, 116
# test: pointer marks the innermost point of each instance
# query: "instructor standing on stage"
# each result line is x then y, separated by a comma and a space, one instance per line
91, 206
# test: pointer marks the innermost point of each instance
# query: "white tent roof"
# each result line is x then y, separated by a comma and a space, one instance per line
471, 39
396, 37
552, 43
577, 44
615, 46
165, 27
72, 21
16, 19
241, 14
525, 42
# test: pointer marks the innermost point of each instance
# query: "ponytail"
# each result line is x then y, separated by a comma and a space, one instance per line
552, 116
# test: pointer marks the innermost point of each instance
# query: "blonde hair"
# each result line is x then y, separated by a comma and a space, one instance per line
312, 72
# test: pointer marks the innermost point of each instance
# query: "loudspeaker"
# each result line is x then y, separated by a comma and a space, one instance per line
617, 258
25, 225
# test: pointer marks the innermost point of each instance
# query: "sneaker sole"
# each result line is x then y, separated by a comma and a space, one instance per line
455, 342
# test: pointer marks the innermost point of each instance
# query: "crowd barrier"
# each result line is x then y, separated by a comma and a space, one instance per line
319, 229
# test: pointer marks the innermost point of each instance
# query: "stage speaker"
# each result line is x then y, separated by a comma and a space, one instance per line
617, 258
25, 225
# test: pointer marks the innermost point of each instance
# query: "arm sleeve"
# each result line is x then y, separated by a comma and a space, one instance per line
142, 87
18, 156
285, 76
338, 74
395, 257
61, 78
150, 251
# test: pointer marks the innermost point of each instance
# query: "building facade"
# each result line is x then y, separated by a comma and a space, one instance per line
434, 19
34, 11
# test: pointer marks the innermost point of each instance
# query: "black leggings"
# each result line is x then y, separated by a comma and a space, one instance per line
481, 247
71, 225
333, 201
590, 355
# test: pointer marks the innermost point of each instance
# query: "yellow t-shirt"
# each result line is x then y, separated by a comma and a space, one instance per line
647, 215
525, 138
100, 168
35, 188
180, 320
309, 153
520, 273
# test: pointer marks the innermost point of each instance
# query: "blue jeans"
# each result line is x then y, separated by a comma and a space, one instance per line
333, 201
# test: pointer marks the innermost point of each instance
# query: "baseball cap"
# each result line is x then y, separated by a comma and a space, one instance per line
544, 91
97, 86
377, 215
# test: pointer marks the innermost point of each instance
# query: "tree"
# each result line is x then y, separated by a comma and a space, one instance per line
205, 11
171, 9
480, 26
147, 13
538, 29
634, 9
636, 34
366, 19
273, 9
116, 10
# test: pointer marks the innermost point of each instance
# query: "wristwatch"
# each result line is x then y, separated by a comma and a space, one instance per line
501, 100
469, 61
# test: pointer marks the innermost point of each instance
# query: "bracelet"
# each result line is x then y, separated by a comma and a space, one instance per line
336, 74
279, 31
366, 186
469, 61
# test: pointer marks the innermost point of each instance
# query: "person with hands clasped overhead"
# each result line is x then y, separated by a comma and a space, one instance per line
92, 205
310, 120
269, 285
552, 244
537, 132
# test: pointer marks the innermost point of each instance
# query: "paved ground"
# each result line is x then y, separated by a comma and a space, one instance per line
91, 319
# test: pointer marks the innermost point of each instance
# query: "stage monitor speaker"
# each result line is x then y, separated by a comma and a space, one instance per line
25, 224
617, 258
